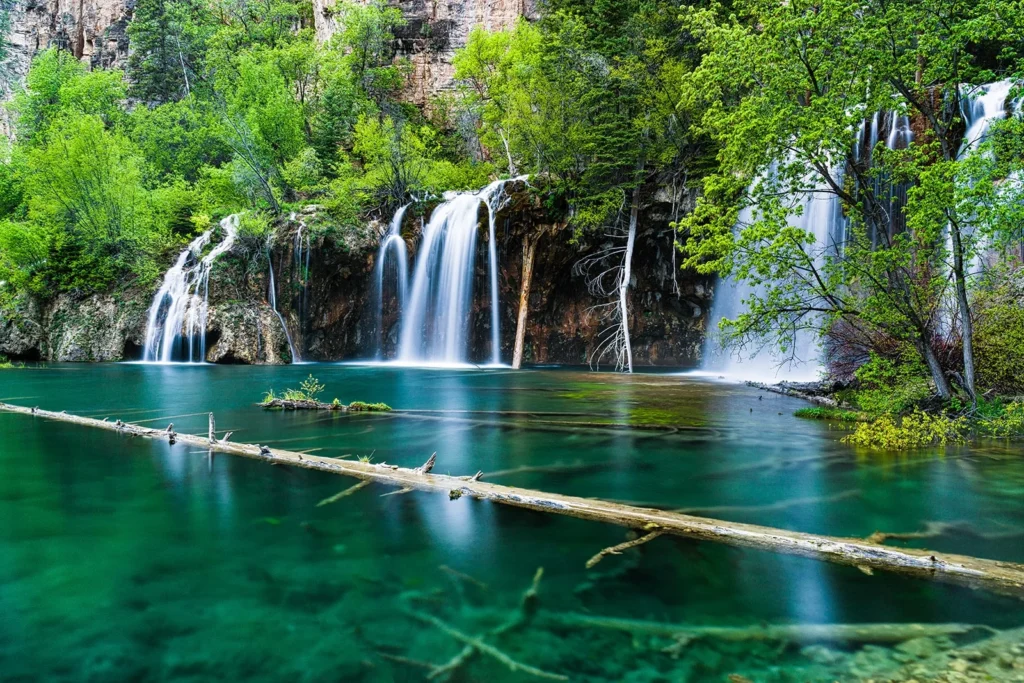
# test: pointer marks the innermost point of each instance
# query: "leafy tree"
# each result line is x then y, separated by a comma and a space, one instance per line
167, 40
84, 188
784, 87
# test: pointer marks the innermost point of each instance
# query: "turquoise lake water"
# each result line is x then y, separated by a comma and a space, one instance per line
124, 559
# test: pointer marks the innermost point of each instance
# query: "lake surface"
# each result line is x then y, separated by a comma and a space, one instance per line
127, 559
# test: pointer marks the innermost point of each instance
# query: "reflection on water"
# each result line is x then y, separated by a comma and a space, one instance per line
123, 559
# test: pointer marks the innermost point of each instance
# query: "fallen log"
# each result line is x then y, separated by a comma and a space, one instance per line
806, 391
998, 576
289, 404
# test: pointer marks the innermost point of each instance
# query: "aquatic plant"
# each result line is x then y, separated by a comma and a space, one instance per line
311, 388
916, 430
360, 406
823, 413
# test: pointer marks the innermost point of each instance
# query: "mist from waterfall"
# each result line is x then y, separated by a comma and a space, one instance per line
176, 327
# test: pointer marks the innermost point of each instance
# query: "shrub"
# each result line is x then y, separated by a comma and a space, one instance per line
999, 336
916, 430
1010, 422
312, 388
891, 386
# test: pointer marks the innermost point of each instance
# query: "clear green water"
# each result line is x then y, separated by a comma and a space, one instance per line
125, 559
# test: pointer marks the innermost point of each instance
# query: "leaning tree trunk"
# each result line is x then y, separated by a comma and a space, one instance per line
967, 326
935, 367
529, 250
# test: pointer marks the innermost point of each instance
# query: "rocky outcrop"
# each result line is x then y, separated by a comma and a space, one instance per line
94, 31
434, 31
101, 327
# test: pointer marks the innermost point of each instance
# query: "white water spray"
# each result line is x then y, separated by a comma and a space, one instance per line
176, 328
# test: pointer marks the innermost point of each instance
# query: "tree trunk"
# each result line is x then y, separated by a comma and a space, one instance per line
939, 377
967, 326
529, 250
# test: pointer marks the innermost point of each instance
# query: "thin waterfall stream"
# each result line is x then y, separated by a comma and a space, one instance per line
272, 300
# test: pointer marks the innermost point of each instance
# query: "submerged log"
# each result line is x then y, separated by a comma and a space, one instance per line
998, 576
793, 633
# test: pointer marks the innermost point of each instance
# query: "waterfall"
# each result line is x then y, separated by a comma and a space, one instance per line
272, 300
392, 243
816, 212
436, 318
979, 114
178, 315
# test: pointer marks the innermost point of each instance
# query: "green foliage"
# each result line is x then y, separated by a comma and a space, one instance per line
1008, 422
999, 332
891, 386
588, 96
915, 430
836, 414
312, 388
360, 406
85, 192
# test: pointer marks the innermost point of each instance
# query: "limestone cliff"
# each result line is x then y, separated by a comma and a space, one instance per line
95, 31
434, 31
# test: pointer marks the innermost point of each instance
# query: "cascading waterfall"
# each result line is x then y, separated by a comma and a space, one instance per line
979, 114
176, 328
436, 318
435, 322
272, 300
384, 267
819, 213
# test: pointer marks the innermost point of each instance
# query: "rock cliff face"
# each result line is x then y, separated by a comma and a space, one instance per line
95, 31
435, 29
328, 306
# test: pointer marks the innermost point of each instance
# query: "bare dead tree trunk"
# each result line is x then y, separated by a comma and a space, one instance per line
627, 261
529, 250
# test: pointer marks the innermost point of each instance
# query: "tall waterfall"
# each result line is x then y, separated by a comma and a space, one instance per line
385, 269
822, 216
437, 316
272, 300
979, 114
176, 328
